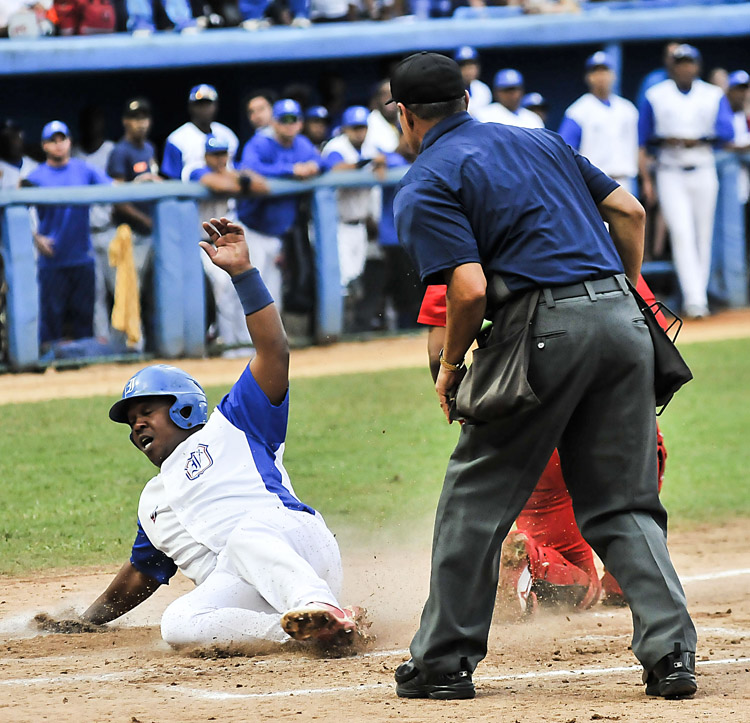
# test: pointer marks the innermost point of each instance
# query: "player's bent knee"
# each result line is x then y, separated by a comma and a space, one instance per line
178, 625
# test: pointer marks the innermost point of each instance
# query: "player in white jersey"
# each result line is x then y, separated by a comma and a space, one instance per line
737, 95
603, 126
508, 91
684, 118
222, 508
480, 95
185, 146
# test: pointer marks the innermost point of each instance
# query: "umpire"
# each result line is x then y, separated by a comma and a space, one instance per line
511, 220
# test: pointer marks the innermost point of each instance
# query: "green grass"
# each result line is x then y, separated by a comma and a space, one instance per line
367, 450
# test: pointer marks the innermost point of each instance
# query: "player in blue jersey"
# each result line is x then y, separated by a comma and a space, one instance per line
222, 509
65, 268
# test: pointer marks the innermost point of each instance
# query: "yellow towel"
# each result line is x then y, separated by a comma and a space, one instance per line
126, 312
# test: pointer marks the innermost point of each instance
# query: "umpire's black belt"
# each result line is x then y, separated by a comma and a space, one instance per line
590, 289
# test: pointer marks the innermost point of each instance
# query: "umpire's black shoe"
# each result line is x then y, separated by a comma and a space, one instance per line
413, 683
673, 676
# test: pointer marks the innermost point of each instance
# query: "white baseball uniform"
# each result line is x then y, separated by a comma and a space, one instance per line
498, 113
185, 149
354, 206
222, 509
686, 178
480, 96
606, 132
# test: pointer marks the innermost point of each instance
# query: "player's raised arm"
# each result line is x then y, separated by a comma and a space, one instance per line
228, 250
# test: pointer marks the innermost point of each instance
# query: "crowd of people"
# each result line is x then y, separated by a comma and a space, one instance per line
662, 151
30, 18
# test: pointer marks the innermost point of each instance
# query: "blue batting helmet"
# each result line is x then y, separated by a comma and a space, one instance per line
190, 407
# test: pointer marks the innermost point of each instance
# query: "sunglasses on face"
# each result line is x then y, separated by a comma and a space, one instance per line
288, 119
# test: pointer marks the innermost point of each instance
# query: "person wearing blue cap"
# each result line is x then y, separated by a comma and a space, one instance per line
185, 146
738, 85
282, 152
508, 88
317, 125
603, 126
683, 119
536, 103
65, 268
356, 205
479, 92
216, 175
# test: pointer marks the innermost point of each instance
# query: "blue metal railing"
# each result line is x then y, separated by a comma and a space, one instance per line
178, 283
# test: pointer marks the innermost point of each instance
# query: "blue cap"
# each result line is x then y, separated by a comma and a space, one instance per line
287, 106
53, 127
599, 59
508, 78
533, 100
466, 54
216, 145
738, 77
355, 115
686, 52
319, 112
203, 92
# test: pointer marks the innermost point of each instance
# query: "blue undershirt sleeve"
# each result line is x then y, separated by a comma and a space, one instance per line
724, 126
645, 123
571, 132
152, 562
171, 165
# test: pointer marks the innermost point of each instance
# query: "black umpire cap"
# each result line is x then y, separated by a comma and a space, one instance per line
426, 78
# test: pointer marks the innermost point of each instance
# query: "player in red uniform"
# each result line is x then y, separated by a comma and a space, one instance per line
545, 559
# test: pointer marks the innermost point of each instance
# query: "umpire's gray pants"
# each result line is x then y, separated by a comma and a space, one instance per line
592, 369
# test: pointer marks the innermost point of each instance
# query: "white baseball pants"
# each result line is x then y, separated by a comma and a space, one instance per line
230, 318
273, 562
688, 202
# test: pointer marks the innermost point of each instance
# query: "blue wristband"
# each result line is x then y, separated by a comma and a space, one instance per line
253, 293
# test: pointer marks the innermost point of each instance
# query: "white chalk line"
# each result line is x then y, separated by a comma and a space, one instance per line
715, 575
216, 695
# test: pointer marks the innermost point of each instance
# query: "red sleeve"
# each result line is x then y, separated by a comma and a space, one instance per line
432, 312
648, 296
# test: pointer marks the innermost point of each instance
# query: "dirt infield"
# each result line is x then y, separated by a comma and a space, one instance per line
558, 667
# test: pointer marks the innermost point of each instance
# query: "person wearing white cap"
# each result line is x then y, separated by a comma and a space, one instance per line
480, 95
342, 153
683, 118
65, 266
185, 147
508, 91
603, 126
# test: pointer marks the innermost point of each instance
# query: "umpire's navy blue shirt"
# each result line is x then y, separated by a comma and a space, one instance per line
519, 202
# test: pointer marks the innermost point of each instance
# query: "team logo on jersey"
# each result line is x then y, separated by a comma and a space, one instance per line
153, 514
198, 462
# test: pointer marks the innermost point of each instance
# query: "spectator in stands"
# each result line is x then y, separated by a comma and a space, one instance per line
382, 132
133, 160
355, 205
185, 148
26, 18
260, 109
544, 7
216, 13
95, 148
480, 93
261, 14
14, 164
603, 126
317, 126
141, 16
65, 266
720, 77
508, 91
681, 117
536, 103
333, 11
219, 178
282, 153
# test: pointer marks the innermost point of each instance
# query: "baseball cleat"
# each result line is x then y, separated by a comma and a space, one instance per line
320, 621
515, 583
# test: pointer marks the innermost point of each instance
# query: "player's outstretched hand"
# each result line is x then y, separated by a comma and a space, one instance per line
48, 624
228, 248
